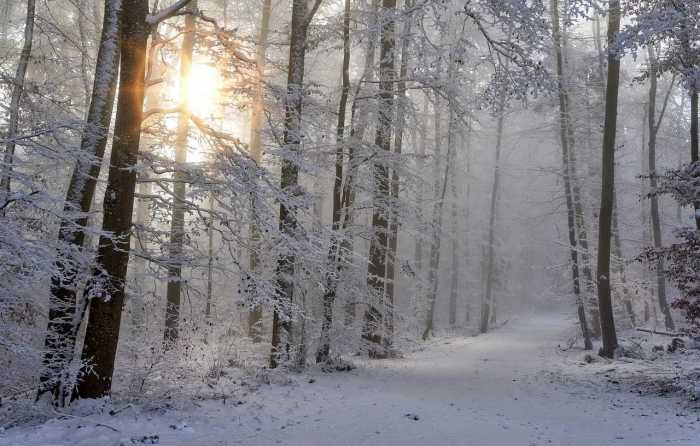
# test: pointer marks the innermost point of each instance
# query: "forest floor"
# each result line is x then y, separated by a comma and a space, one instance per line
514, 386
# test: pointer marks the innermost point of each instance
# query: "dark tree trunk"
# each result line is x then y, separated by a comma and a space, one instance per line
607, 321
289, 182
359, 120
401, 99
64, 316
106, 289
334, 252
694, 141
373, 329
177, 223
655, 217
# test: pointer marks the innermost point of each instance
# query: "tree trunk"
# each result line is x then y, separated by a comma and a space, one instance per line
64, 316
567, 141
607, 321
177, 223
289, 182
694, 141
16, 99
487, 298
398, 145
334, 251
440, 191
359, 120
106, 289
255, 152
420, 166
655, 217
456, 247
372, 331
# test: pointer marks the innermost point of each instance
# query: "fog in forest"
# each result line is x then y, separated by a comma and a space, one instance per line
353, 211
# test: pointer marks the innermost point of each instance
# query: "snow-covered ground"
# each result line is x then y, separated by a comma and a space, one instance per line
510, 387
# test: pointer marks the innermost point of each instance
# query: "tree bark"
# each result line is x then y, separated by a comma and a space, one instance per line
566, 141
106, 289
64, 316
16, 99
694, 141
255, 152
373, 328
334, 251
440, 191
607, 321
487, 298
289, 182
653, 129
177, 222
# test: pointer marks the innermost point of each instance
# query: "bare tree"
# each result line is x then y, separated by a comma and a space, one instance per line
566, 141
607, 321
289, 182
17, 93
653, 125
373, 329
255, 151
177, 222
64, 316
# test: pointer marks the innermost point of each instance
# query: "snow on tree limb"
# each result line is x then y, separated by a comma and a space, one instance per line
166, 13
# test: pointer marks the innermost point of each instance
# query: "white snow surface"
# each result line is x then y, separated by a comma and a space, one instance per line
510, 387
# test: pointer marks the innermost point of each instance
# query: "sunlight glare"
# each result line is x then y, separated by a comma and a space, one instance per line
204, 85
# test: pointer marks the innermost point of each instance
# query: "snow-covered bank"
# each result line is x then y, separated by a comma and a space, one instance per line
509, 387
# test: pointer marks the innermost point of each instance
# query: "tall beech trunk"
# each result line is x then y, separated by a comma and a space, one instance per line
334, 251
359, 120
487, 298
106, 289
401, 99
177, 222
653, 128
619, 264
255, 152
289, 182
420, 166
64, 316
373, 328
694, 141
456, 247
16, 99
607, 321
566, 140
440, 191
467, 201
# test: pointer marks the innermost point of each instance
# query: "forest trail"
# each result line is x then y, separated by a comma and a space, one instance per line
505, 388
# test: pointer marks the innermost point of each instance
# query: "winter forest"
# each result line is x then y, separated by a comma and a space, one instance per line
353, 222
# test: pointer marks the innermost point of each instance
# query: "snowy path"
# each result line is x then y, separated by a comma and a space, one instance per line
501, 389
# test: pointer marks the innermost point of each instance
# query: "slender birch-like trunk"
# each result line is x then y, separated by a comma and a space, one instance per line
566, 141
16, 99
255, 152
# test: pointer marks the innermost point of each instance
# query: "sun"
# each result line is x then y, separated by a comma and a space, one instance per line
204, 85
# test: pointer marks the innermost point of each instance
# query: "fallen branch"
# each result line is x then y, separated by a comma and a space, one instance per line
665, 333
